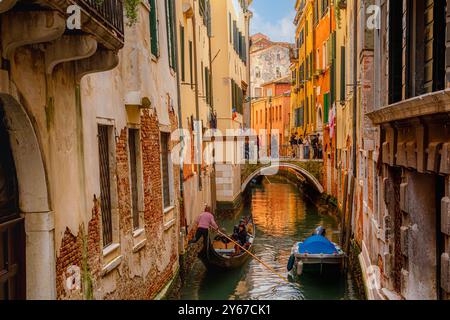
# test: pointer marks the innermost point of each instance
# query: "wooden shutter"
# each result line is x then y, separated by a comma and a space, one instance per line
170, 33
326, 107
343, 72
154, 28
182, 58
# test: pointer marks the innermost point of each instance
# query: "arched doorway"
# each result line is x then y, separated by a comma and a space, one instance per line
12, 230
27, 207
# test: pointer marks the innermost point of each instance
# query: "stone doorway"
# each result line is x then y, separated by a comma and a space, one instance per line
12, 232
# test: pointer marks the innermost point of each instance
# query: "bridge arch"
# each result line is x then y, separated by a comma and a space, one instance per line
271, 169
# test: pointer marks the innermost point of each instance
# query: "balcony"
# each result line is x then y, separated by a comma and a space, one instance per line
91, 47
101, 18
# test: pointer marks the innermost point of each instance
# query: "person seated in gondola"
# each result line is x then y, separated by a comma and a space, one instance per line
241, 239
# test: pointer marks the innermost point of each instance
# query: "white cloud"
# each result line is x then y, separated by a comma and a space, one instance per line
281, 30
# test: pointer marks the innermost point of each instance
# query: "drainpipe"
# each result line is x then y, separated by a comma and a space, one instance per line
354, 123
197, 108
180, 127
211, 101
355, 84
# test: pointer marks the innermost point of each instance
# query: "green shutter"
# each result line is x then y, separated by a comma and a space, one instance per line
230, 31
326, 107
170, 33
183, 66
343, 70
154, 28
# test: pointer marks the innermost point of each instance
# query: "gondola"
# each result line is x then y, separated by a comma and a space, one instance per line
220, 255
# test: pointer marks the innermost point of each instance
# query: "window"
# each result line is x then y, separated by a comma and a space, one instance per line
257, 72
182, 58
104, 146
191, 67
302, 74
133, 148
278, 72
318, 58
208, 86
278, 57
258, 92
324, 7
230, 30
170, 26
316, 11
154, 28
269, 92
324, 56
307, 68
165, 167
395, 50
299, 117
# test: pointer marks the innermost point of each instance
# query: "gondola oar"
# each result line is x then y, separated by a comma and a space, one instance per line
256, 258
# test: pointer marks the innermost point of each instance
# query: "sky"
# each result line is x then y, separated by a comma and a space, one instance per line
274, 18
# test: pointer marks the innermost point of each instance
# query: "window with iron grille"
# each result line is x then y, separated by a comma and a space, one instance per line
133, 148
153, 16
165, 154
105, 182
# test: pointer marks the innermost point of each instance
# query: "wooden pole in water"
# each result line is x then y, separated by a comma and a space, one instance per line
256, 258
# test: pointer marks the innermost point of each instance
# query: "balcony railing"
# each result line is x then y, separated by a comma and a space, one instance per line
109, 12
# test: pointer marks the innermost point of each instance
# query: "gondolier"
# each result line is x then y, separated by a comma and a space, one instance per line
205, 221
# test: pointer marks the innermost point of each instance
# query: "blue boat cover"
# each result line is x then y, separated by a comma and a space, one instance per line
317, 245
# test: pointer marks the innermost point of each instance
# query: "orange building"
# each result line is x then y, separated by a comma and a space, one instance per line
272, 112
324, 74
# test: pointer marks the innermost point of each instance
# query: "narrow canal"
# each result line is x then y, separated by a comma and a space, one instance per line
282, 216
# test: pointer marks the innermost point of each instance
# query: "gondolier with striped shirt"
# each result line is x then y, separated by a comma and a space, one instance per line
205, 221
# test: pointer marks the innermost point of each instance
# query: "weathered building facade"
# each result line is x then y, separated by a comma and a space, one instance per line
272, 112
90, 199
392, 181
230, 85
269, 62
197, 105
410, 239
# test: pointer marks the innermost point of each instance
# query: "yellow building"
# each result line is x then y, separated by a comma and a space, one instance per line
230, 23
302, 93
194, 73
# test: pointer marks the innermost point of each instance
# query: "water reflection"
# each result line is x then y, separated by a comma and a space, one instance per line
282, 217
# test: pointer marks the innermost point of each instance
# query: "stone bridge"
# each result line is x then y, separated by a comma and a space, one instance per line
310, 170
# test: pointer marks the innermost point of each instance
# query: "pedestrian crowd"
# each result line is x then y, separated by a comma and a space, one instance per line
309, 147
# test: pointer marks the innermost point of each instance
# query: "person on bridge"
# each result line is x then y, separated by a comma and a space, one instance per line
205, 221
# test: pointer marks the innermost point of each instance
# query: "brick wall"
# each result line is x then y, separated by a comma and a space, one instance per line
160, 254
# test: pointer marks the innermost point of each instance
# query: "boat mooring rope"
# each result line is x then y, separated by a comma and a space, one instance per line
256, 258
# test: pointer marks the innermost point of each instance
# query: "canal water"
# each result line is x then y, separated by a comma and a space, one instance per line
283, 216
